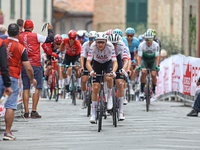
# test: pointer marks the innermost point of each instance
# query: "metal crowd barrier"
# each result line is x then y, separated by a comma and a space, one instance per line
177, 95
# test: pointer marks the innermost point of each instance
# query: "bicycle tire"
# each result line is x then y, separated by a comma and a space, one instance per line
49, 90
73, 91
114, 107
56, 86
89, 100
147, 95
100, 112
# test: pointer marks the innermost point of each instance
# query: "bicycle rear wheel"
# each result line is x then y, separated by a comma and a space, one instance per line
128, 92
114, 107
100, 112
49, 90
147, 95
56, 86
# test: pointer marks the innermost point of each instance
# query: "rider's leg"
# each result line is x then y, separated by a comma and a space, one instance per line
154, 80
78, 80
83, 86
120, 87
96, 89
143, 79
131, 80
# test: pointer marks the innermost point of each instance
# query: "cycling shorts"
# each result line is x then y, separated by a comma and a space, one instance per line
99, 67
148, 63
71, 59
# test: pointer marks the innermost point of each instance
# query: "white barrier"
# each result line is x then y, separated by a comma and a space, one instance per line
178, 73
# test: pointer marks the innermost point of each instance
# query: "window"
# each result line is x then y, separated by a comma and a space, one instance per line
0, 4
28, 9
12, 9
62, 26
45, 10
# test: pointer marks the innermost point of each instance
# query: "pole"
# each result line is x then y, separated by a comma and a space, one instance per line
198, 31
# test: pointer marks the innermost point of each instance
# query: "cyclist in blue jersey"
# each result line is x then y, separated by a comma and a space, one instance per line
133, 44
141, 38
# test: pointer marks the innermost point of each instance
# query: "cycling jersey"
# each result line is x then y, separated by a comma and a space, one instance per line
124, 40
134, 45
156, 40
102, 56
15, 52
85, 49
73, 50
148, 51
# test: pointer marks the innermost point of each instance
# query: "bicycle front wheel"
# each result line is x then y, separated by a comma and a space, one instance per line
100, 112
73, 90
89, 99
56, 86
147, 95
114, 107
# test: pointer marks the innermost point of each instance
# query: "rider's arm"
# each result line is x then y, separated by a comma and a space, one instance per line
89, 60
61, 47
115, 66
125, 66
139, 60
157, 55
82, 61
139, 57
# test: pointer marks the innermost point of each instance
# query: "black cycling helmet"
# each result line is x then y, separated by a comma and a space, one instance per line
13, 29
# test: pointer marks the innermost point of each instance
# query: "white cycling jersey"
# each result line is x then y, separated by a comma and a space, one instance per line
128, 53
102, 56
148, 51
85, 49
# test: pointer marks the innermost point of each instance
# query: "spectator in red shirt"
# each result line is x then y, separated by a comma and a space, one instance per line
31, 41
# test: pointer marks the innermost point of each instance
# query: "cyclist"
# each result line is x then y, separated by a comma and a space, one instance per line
141, 38
83, 58
103, 54
72, 54
120, 32
133, 44
50, 49
121, 53
110, 31
81, 36
148, 57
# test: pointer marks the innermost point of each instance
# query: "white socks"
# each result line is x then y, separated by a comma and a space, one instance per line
131, 84
84, 95
109, 93
66, 81
78, 80
60, 83
94, 105
121, 100
105, 88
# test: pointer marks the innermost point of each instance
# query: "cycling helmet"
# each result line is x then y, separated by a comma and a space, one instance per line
72, 34
154, 32
140, 37
101, 35
150, 30
130, 31
80, 33
58, 39
64, 36
92, 34
118, 31
114, 38
109, 31
149, 35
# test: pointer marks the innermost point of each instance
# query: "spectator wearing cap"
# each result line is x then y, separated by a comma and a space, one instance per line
31, 41
2, 32
20, 23
163, 55
17, 55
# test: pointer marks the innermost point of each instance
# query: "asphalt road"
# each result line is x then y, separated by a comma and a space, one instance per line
65, 126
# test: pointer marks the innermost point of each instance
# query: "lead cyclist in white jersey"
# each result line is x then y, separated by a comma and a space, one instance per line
148, 58
84, 54
103, 54
122, 59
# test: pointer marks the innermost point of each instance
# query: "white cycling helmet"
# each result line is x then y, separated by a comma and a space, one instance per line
92, 34
114, 38
148, 35
101, 36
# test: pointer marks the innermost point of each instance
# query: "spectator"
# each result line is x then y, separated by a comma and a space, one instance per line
196, 105
31, 42
4, 70
163, 55
17, 55
20, 23
2, 32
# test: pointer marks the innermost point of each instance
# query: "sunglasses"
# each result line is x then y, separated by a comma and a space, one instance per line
129, 35
81, 38
92, 39
72, 38
57, 43
115, 44
101, 42
149, 39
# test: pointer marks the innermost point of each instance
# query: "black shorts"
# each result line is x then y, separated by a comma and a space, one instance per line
98, 67
120, 66
74, 59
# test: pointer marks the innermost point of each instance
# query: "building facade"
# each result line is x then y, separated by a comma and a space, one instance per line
39, 11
